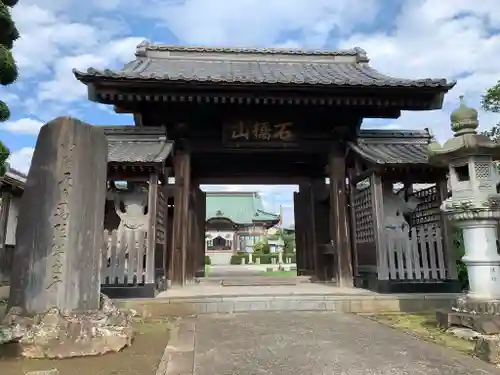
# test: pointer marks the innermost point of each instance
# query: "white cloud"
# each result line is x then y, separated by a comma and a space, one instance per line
439, 39
27, 126
45, 38
254, 22
115, 52
21, 159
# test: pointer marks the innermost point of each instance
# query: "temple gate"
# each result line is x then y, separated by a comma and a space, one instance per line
271, 116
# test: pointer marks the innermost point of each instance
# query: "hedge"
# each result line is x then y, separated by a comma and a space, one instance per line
207, 260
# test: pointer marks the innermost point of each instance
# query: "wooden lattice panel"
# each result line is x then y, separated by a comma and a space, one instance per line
161, 211
363, 215
428, 211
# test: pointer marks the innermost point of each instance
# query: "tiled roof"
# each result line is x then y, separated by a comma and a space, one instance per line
14, 177
133, 144
347, 68
239, 207
393, 146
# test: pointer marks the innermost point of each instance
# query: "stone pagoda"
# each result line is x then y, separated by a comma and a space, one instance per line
474, 205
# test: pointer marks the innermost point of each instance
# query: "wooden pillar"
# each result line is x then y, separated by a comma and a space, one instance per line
299, 234
152, 207
4, 216
305, 191
200, 219
191, 240
323, 271
447, 233
169, 196
166, 220
378, 226
182, 172
339, 221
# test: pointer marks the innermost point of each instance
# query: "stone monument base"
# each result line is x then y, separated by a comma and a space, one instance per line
481, 317
55, 335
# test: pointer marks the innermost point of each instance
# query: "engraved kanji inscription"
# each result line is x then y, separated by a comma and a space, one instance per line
261, 131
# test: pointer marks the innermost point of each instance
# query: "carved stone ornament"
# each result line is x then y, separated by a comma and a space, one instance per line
133, 201
395, 207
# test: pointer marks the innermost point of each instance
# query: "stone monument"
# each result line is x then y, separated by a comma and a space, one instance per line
474, 207
55, 306
60, 225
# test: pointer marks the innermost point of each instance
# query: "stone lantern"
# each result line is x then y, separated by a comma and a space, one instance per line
474, 205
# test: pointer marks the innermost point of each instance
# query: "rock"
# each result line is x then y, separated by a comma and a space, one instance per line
484, 324
463, 333
61, 335
60, 224
488, 348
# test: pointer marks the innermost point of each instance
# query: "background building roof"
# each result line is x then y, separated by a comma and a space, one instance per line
239, 207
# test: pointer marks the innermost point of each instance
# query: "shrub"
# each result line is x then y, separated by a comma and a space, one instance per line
208, 261
236, 258
458, 243
463, 276
266, 258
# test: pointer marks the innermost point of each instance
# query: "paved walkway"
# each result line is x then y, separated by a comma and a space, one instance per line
307, 343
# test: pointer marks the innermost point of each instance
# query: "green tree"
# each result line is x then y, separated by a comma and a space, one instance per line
289, 243
491, 103
8, 67
261, 247
4, 155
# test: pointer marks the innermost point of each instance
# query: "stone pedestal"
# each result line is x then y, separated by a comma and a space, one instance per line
481, 258
60, 225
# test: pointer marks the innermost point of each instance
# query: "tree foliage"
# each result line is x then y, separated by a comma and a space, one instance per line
491, 100
491, 103
8, 67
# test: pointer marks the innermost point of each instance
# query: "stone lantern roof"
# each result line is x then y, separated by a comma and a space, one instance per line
466, 141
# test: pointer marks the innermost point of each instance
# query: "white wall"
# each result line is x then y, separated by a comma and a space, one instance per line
10, 237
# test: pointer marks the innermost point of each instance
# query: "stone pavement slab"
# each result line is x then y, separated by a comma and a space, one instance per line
307, 343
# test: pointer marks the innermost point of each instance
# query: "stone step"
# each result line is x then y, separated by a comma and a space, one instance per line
186, 306
251, 280
259, 281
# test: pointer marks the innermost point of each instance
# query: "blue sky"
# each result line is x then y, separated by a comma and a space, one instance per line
456, 39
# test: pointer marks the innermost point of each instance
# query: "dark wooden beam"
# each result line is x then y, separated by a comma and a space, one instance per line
151, 240
339, 219
182, 173
259, 180
300, 253
307, 207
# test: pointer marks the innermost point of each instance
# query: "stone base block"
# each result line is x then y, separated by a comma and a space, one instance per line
488, 307
54, 334
488, 348
484, 324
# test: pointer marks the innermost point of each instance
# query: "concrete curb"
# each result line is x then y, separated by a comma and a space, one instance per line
178, 357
